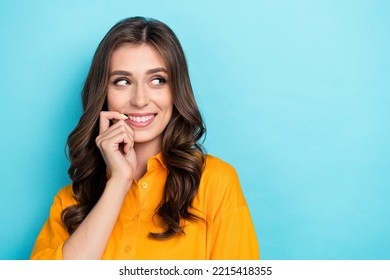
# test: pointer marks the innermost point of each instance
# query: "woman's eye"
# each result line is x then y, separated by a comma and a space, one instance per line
121, 82
158, 81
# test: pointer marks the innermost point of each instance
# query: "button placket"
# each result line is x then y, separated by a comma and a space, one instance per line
143, 187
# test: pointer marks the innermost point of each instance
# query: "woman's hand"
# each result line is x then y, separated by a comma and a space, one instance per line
116, 145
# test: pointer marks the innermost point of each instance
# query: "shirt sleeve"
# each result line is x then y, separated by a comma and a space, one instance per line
233, 235
48, 245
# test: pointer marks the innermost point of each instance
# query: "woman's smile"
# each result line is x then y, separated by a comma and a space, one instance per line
140, 120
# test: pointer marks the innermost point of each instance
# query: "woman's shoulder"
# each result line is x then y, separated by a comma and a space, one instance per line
219, 173
65, 196
220, 185
215, 165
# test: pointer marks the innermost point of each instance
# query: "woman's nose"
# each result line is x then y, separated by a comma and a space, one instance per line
139, 97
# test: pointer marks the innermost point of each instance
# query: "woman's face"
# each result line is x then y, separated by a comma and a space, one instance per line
139, 87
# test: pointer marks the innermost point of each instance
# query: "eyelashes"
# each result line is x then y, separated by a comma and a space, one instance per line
121, 82
158, 81
155, 81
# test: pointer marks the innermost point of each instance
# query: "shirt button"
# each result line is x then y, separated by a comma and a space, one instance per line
127, 249
154, 164
144, 185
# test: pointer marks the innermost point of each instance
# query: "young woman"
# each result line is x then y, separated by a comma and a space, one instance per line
142, 186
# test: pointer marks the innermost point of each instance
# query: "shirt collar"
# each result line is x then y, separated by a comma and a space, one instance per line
155, 162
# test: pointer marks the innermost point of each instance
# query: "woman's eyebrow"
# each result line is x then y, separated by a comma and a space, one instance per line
120, 73
156, 70
148, 72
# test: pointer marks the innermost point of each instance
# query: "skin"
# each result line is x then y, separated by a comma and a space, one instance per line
138, 87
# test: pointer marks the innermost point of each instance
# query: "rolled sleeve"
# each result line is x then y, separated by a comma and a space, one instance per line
49, 243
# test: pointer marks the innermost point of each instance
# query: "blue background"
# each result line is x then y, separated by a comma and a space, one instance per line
295, 95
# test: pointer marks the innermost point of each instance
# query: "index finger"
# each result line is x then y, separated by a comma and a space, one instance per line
106, 117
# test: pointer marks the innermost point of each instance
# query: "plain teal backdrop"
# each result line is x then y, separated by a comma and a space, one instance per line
295, 95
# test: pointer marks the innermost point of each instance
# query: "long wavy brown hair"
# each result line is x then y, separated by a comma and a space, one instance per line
182, 151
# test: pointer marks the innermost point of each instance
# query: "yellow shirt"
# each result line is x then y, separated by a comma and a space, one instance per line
228, 232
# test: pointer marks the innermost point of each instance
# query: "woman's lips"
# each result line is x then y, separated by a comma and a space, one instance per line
140, 120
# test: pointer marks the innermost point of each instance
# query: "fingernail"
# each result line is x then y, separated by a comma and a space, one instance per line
125, 116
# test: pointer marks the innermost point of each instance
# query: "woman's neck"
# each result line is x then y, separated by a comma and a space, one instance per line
144, 151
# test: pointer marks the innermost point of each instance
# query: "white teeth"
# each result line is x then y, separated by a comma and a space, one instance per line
140, 119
